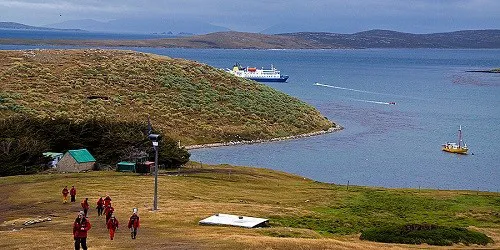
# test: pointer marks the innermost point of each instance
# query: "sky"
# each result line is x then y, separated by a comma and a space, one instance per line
338, 16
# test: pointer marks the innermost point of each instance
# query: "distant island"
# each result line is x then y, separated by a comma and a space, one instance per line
466, 39
19, 26
486, 71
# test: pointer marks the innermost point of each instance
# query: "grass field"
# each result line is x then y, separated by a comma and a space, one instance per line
303, 214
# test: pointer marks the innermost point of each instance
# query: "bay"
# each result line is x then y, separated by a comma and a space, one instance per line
382, 144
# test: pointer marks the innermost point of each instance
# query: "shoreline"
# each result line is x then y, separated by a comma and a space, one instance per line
292, 137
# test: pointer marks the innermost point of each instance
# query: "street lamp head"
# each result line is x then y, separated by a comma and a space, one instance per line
154, 137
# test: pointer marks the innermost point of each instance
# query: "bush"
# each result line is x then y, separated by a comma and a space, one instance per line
425, 233
24, 139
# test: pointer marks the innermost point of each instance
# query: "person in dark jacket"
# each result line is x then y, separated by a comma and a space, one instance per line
72, 192
100, 206
134, 224
112, 225
65, 193
85, 206
80, 228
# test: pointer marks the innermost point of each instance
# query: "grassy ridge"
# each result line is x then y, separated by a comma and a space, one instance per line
190, 101
326, 216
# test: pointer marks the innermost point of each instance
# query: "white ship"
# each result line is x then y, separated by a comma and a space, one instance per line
260, 75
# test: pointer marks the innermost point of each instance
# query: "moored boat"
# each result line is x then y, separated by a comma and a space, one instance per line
456, 148
260, 75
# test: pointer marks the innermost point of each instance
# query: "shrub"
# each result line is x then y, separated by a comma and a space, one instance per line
425, 233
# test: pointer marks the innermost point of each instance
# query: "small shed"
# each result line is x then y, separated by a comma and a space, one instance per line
76, 161
145, 167
235, 220
125, 166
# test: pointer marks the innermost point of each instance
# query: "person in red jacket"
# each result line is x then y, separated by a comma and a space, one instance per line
133, 223
72, 192
85, 206
108, 211
80, 228
65, 193
107, 201
112, 225
100, 206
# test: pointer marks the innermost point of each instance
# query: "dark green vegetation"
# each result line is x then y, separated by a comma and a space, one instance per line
302, 40
379, 208
24, 139
108, 94
425, 233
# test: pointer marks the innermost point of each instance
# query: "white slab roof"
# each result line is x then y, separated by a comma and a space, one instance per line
233, 220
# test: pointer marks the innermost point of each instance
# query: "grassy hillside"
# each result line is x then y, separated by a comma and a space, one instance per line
303, 214
187, 100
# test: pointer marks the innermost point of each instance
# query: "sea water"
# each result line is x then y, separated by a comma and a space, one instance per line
382, 144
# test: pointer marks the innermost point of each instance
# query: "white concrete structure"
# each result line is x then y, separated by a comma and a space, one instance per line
234, 220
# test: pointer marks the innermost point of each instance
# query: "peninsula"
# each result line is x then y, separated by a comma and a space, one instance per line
472, 39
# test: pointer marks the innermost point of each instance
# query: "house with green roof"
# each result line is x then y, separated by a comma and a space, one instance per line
76, 161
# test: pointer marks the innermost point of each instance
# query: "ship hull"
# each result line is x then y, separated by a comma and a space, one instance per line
281, 79
456, 150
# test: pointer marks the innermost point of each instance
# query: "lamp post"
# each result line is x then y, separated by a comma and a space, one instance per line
155, 138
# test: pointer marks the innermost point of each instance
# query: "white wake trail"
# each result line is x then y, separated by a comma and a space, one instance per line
376, 102
356, 90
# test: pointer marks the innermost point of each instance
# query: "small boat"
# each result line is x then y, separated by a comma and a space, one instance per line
260, 75
456, 148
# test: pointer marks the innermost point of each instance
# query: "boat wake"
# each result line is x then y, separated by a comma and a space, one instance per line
376, 102
356, 90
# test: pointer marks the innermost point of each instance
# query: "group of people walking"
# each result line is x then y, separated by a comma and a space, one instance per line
82, 224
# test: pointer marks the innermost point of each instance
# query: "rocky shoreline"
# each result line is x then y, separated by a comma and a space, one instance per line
232, 143
486, 71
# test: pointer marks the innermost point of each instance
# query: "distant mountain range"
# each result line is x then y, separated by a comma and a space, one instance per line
18, 26
475, 39
142, 26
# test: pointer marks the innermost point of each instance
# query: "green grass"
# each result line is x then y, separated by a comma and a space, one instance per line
374, 208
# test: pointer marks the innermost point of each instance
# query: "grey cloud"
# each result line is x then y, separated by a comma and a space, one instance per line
256, 15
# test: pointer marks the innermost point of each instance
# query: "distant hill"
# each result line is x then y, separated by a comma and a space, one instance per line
142, 26
235, 40
19, 26
218, 40
393, 39
474, 39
